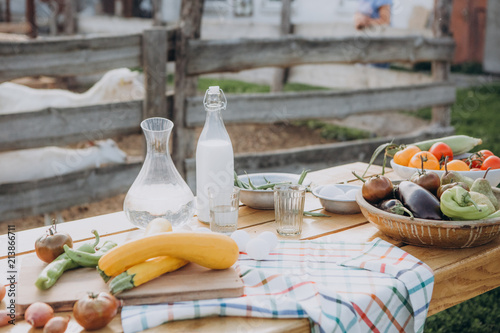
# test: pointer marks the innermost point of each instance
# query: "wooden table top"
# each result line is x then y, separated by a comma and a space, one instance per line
460, 274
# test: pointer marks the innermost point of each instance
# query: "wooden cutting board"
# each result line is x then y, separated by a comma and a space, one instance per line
191, 282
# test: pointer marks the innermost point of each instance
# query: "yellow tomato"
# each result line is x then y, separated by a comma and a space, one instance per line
404, 156
457, 165
430, 161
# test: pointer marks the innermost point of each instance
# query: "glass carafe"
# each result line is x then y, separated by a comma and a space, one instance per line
158, 190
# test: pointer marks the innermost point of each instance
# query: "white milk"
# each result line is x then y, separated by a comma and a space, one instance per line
214, 168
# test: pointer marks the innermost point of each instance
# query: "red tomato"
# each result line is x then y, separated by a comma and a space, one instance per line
484, 154
441, 150
491, 162
474, 161
95, 310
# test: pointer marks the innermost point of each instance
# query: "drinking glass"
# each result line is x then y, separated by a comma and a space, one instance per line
289, 208
224, 204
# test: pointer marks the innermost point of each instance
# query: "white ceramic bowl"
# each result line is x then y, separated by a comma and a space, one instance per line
338, 206
264, 199
493, 175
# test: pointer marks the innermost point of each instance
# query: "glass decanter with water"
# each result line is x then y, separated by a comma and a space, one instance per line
159, 190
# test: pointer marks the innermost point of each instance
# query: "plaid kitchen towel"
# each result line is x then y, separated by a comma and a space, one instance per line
339, 286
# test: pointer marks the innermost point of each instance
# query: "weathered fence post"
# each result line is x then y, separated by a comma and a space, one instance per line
183, 137
70, 16
441, 115
154, 46
157, 8
281, 74
31, 18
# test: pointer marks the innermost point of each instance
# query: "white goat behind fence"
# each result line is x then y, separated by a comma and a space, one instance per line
38, 163
117, 85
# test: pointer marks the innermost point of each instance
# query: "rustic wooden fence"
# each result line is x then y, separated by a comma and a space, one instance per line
59, 126
193, 57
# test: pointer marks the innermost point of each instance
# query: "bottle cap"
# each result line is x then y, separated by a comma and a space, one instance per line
214, 99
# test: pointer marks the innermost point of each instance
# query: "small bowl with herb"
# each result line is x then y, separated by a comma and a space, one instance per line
338, 198
257, 188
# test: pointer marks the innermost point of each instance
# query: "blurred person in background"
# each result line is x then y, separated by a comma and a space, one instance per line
372, 13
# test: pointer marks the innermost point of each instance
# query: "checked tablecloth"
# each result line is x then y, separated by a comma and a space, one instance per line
339, 286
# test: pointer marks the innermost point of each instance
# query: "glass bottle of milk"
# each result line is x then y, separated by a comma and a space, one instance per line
214, 153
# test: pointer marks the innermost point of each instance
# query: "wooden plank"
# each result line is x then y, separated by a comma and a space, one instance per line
315, 227
69, 56
31, 198
154, 44
276, 107
212, 56
79, 230
460, 274
183, 143
191, 282
74, 55
441, 114
313, 157
59, 126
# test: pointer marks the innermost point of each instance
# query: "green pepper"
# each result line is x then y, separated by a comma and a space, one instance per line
86, 259
53, 271
460, 204
494, 215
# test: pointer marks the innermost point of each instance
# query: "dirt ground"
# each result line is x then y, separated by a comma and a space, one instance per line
245, 138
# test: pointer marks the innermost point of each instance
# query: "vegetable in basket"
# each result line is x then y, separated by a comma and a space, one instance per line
422, 203
459, 204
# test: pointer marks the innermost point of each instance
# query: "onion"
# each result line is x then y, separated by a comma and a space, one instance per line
38, 314
4, 318
56, 325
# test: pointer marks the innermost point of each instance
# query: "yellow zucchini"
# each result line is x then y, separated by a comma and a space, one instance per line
144, 272
211, 250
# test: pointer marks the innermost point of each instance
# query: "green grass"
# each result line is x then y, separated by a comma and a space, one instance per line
240, 87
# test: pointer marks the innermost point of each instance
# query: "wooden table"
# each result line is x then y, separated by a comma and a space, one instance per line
459, 274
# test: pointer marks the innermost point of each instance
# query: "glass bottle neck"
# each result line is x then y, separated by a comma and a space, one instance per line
214, 126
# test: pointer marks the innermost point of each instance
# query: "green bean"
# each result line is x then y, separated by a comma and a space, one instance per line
303, 176
271, 185
250, 182
239, 183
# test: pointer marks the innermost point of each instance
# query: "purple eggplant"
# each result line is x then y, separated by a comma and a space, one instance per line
422, 203
395, 206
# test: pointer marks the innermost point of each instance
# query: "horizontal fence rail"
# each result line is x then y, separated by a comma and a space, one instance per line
58, 126
52, 194
212, 56
274, 107
73, 55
